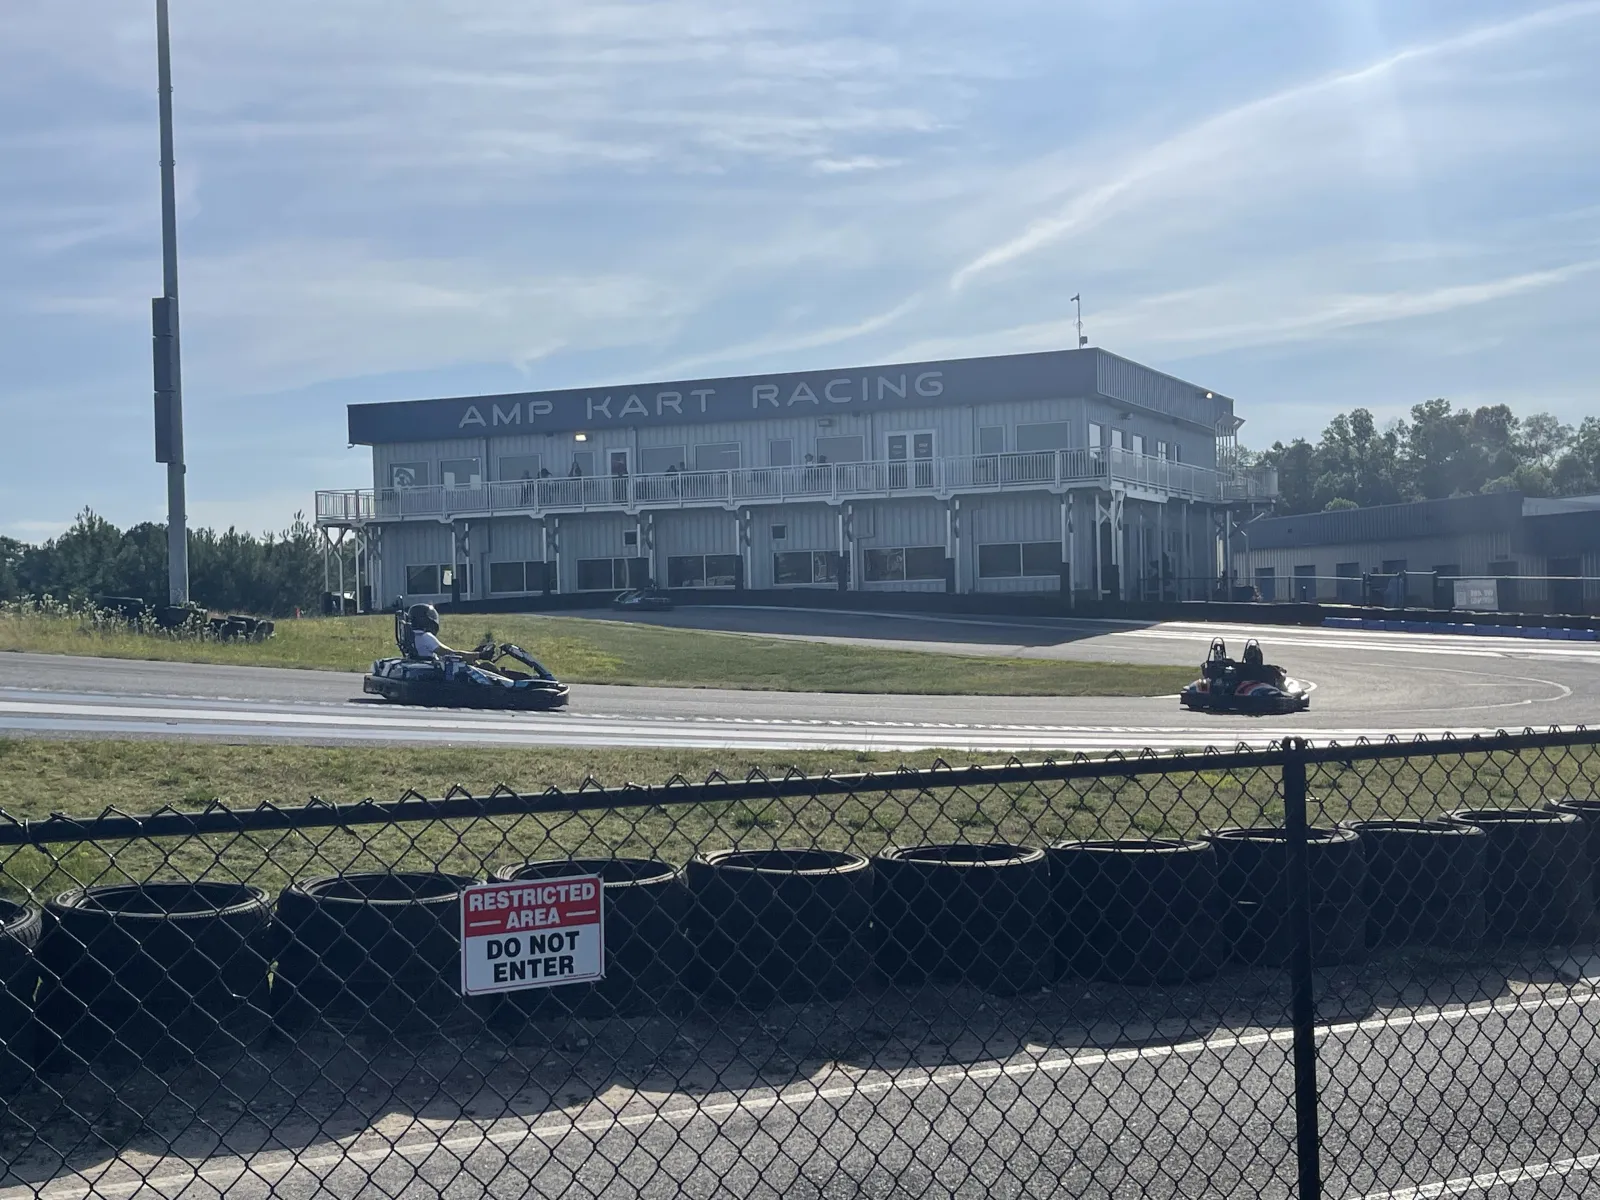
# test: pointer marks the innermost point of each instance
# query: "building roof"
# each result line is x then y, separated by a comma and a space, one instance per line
1051, 374
1389, 522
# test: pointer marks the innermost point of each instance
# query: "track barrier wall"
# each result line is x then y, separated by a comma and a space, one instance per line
1349, 971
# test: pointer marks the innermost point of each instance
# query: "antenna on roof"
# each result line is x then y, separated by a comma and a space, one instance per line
1078, 300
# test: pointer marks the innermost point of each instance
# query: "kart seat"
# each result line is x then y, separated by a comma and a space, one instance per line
404, 637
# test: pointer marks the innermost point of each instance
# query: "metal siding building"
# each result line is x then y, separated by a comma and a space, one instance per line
995, 474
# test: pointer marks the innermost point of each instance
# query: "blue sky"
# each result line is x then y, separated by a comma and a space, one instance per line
1307, 206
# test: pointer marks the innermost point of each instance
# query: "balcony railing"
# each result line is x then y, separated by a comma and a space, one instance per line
1031, 471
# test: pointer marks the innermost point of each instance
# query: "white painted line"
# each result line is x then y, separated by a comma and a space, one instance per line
1508, 1177
273, 1166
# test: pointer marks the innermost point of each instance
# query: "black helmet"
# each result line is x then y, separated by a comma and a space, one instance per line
424, 617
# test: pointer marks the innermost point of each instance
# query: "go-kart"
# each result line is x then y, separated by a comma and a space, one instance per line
452, 681
1252, 686
649, 599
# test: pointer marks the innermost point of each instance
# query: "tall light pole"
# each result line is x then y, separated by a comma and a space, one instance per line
164, 328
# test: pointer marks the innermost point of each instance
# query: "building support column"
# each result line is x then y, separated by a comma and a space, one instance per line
1067, 546
952, 545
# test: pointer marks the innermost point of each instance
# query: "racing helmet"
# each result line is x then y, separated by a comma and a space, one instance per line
424, 617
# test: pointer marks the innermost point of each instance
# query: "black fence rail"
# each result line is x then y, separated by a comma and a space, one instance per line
1360, 971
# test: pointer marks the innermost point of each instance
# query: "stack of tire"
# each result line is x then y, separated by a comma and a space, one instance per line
646, 950
1137, 911
963, 913
1425, 883
163, 971
378, 949
768, 925
1252, 875
1538, 876
19, 980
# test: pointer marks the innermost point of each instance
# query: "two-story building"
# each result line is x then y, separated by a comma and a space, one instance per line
1072, 471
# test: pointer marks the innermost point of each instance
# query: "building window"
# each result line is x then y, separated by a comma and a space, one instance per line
848, 448
1013, 560
903, 562
780, 452
630, 537
519, 466
1138, 443
1176, 451
793, 567
780, 532
1161, 450
656, 460
422, 581
460, 473
507, 577
1394, 566
1045, 435
408, 475
1097, 435
702, 570
1119, 438
716, 456
992, 439
612, 574
582, 463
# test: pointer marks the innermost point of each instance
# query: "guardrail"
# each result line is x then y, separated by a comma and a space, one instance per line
834, 482
1343, 970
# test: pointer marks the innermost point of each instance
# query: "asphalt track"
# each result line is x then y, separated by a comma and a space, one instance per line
1367, 684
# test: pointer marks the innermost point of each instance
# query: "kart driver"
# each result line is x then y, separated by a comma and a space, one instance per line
425, 635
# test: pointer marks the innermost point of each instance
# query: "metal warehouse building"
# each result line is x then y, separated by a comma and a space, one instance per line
1068, 471
1544, 553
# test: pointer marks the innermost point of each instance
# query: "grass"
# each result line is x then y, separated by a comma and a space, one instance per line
41, 776
586, 651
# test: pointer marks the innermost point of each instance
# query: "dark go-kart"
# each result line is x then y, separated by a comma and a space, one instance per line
451, 681
1251, 685
645, 599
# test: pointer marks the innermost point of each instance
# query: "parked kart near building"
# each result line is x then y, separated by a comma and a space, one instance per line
1252, 685
649, 598
446, 679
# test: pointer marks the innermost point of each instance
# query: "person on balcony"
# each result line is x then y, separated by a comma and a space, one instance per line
672, 474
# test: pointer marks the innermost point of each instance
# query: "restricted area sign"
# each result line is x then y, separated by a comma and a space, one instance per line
532, 933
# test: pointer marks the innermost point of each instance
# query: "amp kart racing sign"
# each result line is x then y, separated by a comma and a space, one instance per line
532, 933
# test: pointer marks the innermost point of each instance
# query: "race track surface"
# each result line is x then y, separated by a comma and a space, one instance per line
1368, 684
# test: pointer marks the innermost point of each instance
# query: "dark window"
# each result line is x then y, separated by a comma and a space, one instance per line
422, 581
519, 466
722, 570
702, 570
792, 566
848, 448
1045, 435
508, 577
635, 571
780, 452
879, 566
992, 439
596, 575
1393, 566
654, 460
1041, 558
716, 456
780, 533
630, 537
1000, 560
924, 562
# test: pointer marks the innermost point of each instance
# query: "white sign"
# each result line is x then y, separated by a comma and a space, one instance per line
1480, 594
532, 933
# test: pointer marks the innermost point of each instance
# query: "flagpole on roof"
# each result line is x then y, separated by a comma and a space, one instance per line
1078, 300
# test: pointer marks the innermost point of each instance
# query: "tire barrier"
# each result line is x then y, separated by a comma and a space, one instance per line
161, 969
384, 946
977, 914
1425, 883
1136, 910
20, 927
1536, 870
1251, 874
778, 924
1587, 811
646, 947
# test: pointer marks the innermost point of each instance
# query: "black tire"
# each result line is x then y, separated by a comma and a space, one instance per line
1587, 811
976, 914
1251, 874
646, 947
778, 924
20, 929
379, 948
1425, 883
161, 970
1136, 910
1537, 872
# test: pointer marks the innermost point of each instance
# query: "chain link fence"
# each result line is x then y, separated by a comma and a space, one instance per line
1354, 971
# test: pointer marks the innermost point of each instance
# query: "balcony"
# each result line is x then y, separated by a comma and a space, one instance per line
831, 483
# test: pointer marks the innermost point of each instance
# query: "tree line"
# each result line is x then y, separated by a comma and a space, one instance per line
1441, 451
270, 575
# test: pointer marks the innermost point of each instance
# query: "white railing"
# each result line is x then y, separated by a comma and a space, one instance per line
1022, 470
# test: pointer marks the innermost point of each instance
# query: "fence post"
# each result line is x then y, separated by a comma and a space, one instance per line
1302, 1003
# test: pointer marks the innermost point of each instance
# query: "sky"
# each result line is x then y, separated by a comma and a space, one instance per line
1306, 206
